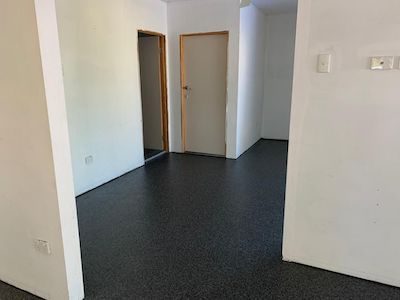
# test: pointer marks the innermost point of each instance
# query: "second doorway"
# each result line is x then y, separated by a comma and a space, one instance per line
152, 60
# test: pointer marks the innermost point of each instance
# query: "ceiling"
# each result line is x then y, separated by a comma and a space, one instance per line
269, 6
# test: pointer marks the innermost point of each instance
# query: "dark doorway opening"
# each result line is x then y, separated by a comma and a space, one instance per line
152, 60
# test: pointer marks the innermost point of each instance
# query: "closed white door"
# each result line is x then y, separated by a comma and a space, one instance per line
204, 83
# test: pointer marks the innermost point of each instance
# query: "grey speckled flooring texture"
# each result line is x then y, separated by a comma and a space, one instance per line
190, 226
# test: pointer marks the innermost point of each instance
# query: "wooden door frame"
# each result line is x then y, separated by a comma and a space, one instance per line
183, 81
163, 85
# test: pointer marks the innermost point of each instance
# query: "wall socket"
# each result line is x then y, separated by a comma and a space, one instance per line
89, 160
42, 246
382, 63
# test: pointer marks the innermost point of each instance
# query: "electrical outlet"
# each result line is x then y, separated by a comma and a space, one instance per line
382, 63
42, 246
89, 160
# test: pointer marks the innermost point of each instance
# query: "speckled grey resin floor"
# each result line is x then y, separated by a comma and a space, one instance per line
195, 227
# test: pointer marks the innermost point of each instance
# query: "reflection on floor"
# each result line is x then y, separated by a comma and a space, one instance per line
149, 153
191, 226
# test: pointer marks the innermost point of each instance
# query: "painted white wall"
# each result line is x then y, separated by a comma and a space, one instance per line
149, 56
280, 43
203, 16
36, 188
251, 77
343, 191
99, 47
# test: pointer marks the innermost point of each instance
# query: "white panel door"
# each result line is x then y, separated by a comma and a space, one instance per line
204, 76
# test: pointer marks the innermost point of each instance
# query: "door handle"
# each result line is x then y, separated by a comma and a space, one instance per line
188, 90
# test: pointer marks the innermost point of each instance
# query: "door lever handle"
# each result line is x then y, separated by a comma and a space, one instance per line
188, 91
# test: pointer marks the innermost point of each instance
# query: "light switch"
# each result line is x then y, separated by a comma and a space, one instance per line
324, 63
382, 63
89, 160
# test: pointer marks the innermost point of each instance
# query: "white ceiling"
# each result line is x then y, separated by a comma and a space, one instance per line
269, 6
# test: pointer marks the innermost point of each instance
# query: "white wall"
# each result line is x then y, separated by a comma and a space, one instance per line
149, 57
342, 205
203, 16
101, 73
280, 42
36, 189
251, 77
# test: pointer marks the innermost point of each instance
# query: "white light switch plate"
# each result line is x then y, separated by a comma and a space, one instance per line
89, 160
324, 63
382, 63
